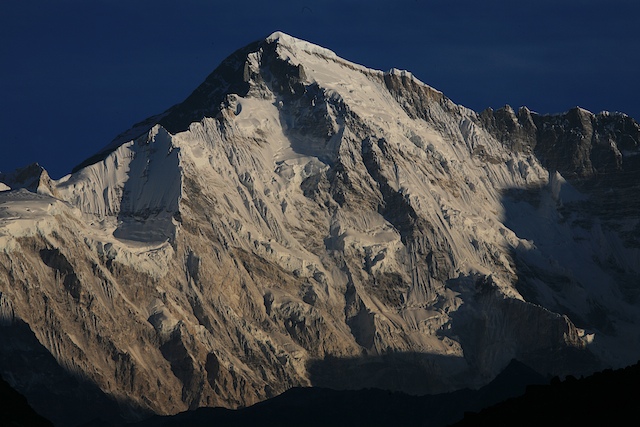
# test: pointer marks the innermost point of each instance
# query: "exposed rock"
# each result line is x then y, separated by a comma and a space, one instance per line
302, 220
576, 143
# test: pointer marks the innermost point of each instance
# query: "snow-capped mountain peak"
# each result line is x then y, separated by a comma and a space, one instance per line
303, 220
295, 45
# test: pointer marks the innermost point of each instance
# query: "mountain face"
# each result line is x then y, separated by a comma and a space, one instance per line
302, 220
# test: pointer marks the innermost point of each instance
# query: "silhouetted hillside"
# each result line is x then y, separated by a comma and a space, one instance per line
15, 410
605, 398
315, 407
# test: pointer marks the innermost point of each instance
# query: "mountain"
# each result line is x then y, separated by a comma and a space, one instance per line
301, 220
15, 411
605, 397
313, 406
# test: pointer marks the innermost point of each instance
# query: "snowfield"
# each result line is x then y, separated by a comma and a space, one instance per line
320, 223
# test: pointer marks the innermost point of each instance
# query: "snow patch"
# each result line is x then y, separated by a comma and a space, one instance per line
296, 45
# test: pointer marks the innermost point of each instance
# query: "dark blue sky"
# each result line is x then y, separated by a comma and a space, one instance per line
75, 73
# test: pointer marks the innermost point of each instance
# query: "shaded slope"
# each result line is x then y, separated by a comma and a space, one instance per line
319, 223
605, 398
59, 394
15, 410
371, 407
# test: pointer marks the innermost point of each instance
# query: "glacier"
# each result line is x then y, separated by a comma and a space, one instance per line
302, 220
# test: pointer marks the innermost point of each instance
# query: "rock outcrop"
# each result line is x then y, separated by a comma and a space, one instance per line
302, 220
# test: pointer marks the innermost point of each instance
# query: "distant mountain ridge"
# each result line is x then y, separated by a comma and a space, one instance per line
301, 220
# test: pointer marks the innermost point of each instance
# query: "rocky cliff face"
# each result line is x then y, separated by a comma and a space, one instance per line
303, 220
578, 144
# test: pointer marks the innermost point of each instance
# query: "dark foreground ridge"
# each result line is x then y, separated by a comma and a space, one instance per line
15, 410
600, 399
604, 398
317, 406
526, 399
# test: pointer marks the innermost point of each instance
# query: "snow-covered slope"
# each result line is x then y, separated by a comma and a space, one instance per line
304, 220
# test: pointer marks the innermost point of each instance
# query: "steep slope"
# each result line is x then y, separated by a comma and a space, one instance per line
303, 220
586, 230
15, 411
